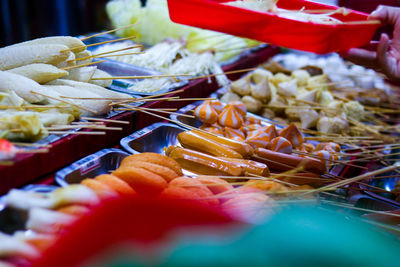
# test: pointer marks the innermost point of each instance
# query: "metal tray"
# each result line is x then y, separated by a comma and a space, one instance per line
387, 184
152, 139
336, 170
101, 162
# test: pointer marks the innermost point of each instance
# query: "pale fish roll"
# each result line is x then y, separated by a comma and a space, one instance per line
40, 73
83, 74
12, 247
73, 43
101, 107
21, 85
48, 221
86, 57
10, 99
51, 118
17, 56
103, 92
101, 74
70, 61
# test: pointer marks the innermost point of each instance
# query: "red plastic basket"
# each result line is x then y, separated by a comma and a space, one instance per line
270, 28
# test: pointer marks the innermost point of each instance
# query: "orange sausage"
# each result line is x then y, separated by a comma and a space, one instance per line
283, 162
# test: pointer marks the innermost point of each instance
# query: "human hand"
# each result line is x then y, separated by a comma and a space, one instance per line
386, 58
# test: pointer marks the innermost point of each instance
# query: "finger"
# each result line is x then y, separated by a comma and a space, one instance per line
361, 57
386, 14
385, 62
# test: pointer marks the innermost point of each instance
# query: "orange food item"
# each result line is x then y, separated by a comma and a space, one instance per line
293, 134
142, 181
307, 147
102, 190
163, 171
230, 133
240, 107
252, 120
217, 105
174, 192
258, 138
154, 158
215, 184
206, 113
76, 210
212, 129
281, 144
271, 132
230, 117
195, 186
119, 185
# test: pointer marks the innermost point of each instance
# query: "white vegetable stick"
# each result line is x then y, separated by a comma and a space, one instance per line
20, 85
100, 107
12, 247
100, 74
14, 57
47, 221
40, 73
73, 43
70, 61
84, 54
83, 74
105, 93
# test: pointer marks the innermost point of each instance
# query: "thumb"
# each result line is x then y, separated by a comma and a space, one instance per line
386, 14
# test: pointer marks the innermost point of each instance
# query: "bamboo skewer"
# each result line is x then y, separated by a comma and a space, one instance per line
358, 178
111, 41
114, 51
106, 32
216, 74
32, 151
76, 133
83, 65
70, 127
344, 162
140, 77
30, 145
119, 55
161, 111
105, 120
64, 101
147, 97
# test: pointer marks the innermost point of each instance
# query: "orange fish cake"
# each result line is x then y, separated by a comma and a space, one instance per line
240, 107
163, 171
230, 133
195, 186
206, 113
215, 184
230, 117
119, 185
102, 190
142, 181
154, 158
307, 147
258, 138
293, 134
281, 144
217, 105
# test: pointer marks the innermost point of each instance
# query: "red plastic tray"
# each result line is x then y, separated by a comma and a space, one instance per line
270, 28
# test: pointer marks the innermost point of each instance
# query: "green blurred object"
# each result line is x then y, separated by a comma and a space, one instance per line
296, 237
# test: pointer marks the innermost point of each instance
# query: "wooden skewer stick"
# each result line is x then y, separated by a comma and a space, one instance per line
83, 65
358, 178
112, 51
120, 55
152, 96
193, 99
139, 77
105, 120
224, 73
127, 107
344, 162
97, 98
64, 101
76, 133
95, 44
110, 31
361, 22
162, 111
111, 41
70, 127
30, 145
29, 107
32, 151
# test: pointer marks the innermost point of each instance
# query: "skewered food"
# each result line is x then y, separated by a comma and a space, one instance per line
40, 73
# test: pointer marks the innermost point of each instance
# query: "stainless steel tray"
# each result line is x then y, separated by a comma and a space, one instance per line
387, 184
335, 170
152, 138
101, 162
